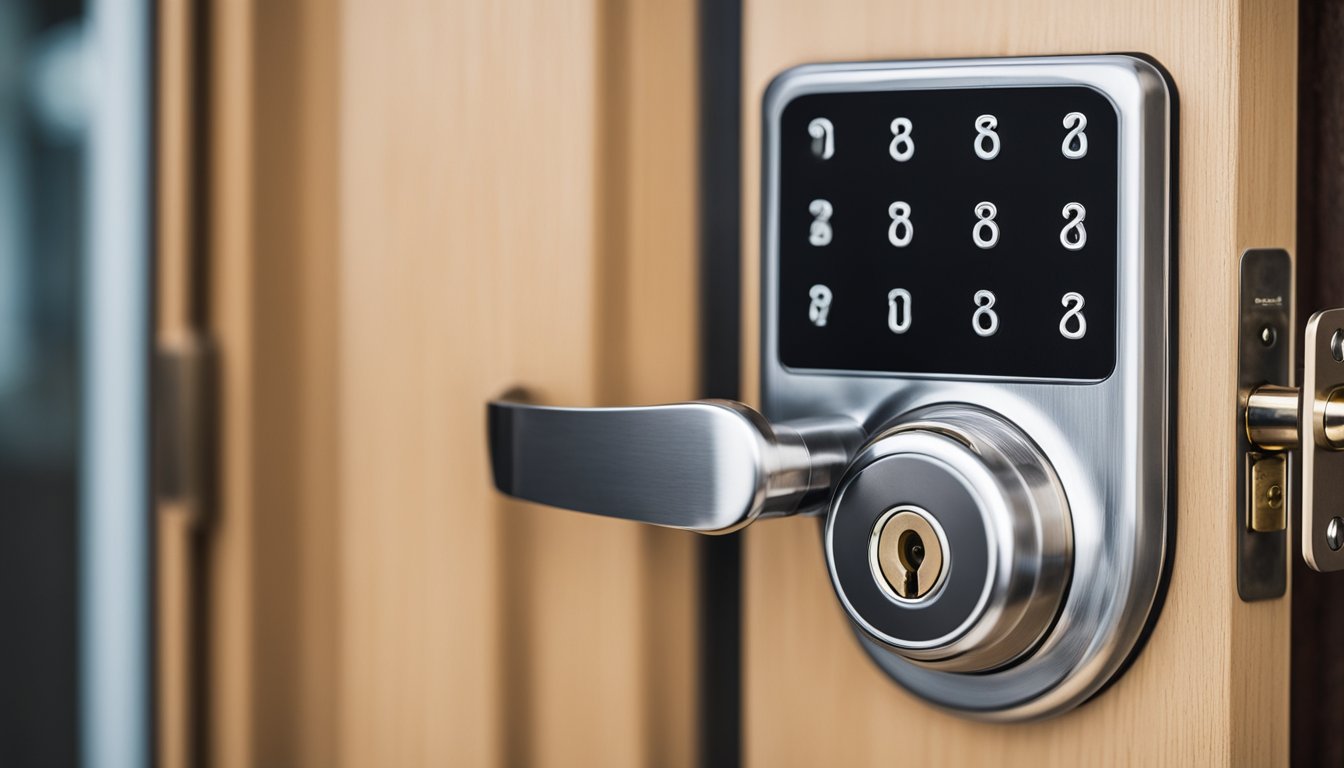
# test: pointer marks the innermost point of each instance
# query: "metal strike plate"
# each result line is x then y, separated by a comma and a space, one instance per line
1322, 465
1263, 357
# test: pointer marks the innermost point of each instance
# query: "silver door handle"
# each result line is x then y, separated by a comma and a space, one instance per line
711, 466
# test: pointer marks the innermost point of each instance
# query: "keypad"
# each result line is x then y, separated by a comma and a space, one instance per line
962, 231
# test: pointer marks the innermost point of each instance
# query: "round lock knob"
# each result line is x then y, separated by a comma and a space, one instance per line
949, 540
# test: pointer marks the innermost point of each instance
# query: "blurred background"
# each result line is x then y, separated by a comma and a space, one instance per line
307, 563
43, 221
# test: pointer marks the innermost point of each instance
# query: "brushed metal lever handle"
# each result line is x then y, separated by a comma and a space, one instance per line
712, 466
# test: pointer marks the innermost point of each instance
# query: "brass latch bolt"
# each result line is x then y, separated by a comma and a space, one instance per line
1311, 418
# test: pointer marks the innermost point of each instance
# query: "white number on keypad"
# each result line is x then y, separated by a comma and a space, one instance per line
986, 140
1074, 235
985, 321
986, 230
823, 138
899, 310
902, 230
902, 146
820, 231
1073, 304
1075, 142
821, 304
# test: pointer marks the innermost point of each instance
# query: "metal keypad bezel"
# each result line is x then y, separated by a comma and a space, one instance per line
1109, 441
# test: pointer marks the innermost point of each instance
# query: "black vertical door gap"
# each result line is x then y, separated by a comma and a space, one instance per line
720, 202
1316, 712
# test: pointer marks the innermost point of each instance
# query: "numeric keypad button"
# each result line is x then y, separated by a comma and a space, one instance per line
823, 138
985, 233
902, 146
820, 307
1075, 141
901, 230
819, 233
985, 321
900, 310
1073, 325
986, 139
1074, 235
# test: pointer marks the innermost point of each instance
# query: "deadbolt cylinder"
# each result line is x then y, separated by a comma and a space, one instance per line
1272, 417
992, 524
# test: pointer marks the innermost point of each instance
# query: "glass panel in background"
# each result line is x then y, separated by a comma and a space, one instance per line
75, 210
41, 236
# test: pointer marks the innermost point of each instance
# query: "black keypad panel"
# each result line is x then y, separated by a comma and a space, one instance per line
964, 232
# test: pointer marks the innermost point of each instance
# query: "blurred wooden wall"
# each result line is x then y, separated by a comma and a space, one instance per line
405, 208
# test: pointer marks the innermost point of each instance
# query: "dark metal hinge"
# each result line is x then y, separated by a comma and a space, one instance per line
184, 408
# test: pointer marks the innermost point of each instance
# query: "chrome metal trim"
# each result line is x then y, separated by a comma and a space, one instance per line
712, 466
1109, 441
1272, 417
1322, 463
1024, 517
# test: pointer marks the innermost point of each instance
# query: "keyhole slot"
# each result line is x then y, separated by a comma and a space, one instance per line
907, 553
910, 549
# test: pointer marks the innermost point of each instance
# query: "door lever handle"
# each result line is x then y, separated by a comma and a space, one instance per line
712, 466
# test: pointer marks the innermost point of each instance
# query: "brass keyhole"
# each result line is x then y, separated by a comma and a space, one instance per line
907, 553
910, 548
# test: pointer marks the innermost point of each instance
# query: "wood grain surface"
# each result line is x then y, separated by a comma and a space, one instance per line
176, 566
1211, 688
414, 207
517, 209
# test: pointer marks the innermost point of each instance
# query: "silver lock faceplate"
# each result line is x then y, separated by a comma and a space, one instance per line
1107, 437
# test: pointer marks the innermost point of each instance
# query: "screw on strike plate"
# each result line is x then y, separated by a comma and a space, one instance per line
1274, 497
1334, 533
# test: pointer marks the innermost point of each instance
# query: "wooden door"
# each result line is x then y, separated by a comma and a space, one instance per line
405, 209
1211, 687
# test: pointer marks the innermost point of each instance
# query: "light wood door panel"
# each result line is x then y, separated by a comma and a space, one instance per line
413, 207
410, 207
1211, 687
509, 216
